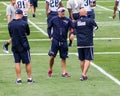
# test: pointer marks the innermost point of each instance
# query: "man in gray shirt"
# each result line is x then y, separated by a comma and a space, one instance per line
10, 13
74, 7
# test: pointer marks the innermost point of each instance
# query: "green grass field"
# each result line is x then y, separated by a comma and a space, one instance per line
107, 54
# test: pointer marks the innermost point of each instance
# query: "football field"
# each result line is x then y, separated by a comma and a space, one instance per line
104, 73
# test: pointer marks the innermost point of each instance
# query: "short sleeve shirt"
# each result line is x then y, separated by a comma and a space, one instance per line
87, 4
22, 5
75, 5
10, 11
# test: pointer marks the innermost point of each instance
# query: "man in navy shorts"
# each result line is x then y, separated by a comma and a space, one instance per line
84, 33
18, 29
58, 38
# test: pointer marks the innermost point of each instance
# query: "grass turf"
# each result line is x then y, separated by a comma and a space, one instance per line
97, 85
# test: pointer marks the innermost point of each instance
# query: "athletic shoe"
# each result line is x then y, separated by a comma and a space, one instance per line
65, 75
70, 45
49, 73
5, 49
33, 15
30, 81
82, 78
19, 82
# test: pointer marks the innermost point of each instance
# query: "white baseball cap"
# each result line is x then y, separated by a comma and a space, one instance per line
61, 9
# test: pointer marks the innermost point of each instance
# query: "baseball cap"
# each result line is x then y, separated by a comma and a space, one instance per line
61, 9
18, 11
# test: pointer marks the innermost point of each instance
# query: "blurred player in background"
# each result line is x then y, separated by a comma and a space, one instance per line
10, 13
52, 8
58, 38
89, 6
34, 5
24, 5
116, 6
74, 7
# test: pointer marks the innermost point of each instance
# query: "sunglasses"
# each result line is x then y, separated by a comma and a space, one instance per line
62, 11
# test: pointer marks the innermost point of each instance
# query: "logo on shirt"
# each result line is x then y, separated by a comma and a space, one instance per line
79, 23
65, 21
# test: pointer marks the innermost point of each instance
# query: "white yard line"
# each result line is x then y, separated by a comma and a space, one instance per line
106, 38
105, 73
104, 8
73, 53
41, 30
106, 53
34, 40
104, 1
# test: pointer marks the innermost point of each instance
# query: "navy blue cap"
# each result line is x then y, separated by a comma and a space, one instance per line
18, 11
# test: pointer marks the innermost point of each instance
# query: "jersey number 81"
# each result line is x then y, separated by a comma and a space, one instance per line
21, 4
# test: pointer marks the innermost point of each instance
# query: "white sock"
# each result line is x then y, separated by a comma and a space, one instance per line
18, 79
30, 78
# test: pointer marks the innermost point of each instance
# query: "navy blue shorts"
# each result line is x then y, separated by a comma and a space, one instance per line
56, 46
76, 16
34, 3
85, 53
24, 56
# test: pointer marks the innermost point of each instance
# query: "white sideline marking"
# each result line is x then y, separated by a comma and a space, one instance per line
106, 53
99, 68
34, 54
106, 38
109, 39
104, 8
74, 53
42, 31
105, 73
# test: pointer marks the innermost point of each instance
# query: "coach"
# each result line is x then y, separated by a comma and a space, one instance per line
18, 29
84, 33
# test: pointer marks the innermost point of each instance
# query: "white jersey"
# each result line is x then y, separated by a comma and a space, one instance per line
87, 4
93, 7
53, 4
22, 5
118, 4
75, 5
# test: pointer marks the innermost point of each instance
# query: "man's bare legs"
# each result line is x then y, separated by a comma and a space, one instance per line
84, 64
